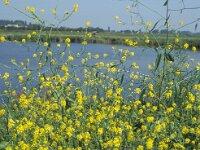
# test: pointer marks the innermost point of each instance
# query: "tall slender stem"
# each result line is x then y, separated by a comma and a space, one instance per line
165, 49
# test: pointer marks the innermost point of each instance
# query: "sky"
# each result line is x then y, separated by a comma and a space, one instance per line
101, 13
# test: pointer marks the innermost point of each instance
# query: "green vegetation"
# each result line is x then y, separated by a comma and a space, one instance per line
104, 37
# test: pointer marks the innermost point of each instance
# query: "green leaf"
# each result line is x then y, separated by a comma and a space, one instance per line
142, 93
167, 20
3, 144
196, 25
122, 79
156, 49
155, 25
97, 73
169, 57
165, 4
157, 63
46, 59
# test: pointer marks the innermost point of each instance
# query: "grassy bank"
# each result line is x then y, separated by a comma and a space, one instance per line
104, 37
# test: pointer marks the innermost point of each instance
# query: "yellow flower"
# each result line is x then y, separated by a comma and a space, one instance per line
6, 2
49, 53
194, 48
185, 130
116, 142
11, 123
34, 33
87, 24
6, 76
2, 112
32, 10
140, 111
64, 68
140, 147
137, 90
187, 141
34, 55
100, 131
42, 10
158, 128
20, 77
181, 22
169, 46
54, 11
27, 8
23, 40
84, 42
150, 119
147, 41
148, 24
186, 46
176, 40
189, 106
149, 143
198, 132
8, 148
46, 44
58, 45
178, 72
132, 53
116, 17
67, 40
75, 7
2, 39
150, 86
169, 94
109, 93
144, 128
89, 34
29, 36
186, 65
151, 94
70, 58
105, 55
28, 73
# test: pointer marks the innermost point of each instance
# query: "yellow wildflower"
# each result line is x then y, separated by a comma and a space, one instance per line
194, 48
2, 39
42, 10
32, 10
46, 44
70, 58
149, 143
23, 40
75, 7
150, 119
6, 2
148, 24
67, 40
54, 11
87, 24
186, 46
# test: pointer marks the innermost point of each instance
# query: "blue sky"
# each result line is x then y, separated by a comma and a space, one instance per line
101, 13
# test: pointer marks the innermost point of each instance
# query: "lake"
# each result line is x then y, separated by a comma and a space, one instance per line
22, 52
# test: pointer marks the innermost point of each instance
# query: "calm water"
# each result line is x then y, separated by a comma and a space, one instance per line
22, 52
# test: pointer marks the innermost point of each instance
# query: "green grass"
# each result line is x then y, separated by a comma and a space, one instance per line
105, 37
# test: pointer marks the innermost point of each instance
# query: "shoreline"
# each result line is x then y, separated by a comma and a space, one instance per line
102, 38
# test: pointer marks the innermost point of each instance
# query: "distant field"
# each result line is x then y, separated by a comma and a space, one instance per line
104, 37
